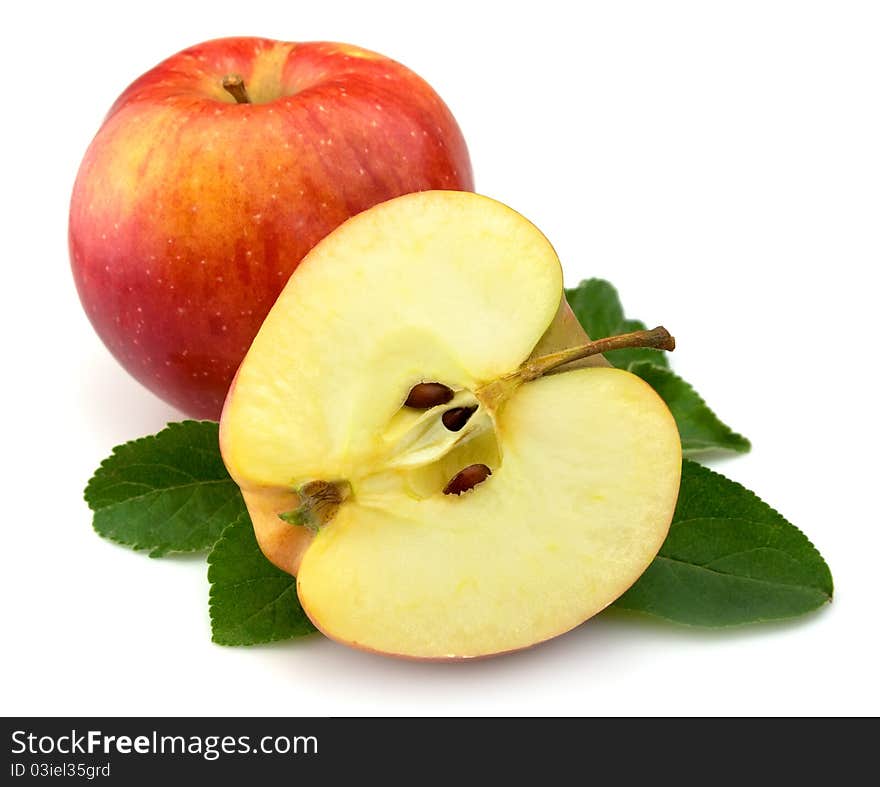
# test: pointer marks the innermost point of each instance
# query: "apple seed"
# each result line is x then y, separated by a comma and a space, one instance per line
467, 479
455, 418
424, 396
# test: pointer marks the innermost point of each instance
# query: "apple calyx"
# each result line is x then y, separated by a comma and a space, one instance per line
319, 502
234, 85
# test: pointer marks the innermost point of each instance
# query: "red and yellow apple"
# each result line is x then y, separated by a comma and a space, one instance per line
216, 172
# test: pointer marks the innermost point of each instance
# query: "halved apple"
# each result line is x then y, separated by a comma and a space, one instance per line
509, 501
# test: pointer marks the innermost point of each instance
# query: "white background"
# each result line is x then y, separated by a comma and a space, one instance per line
719, 162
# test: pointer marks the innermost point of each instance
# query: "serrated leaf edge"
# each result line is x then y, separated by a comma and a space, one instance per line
159, 550
230, 641
698, 468
116, 450
745, 445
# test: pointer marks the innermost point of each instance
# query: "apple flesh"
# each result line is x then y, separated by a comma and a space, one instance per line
420, 540
284, 545
191, 210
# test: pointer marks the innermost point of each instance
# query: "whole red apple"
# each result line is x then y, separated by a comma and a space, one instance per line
213, 175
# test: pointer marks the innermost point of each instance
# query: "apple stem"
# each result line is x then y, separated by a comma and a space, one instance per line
234, 85
656, 338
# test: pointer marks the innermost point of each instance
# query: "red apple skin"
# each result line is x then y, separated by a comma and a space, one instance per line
190, 211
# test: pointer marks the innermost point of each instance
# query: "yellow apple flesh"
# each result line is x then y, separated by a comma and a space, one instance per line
459, 289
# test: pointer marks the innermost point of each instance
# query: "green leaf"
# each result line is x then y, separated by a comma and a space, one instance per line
729, 559
167, 493
597, 306
252, 601
699, 427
